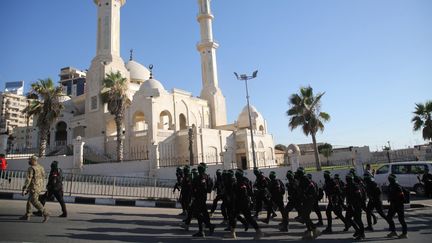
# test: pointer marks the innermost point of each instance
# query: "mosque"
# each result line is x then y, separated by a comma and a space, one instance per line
165, 128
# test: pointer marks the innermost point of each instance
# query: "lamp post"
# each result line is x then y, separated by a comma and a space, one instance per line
190, 138
245, 78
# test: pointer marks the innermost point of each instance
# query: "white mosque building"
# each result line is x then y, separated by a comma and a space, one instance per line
164, 128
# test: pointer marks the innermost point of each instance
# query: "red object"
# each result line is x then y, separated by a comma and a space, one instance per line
3, 164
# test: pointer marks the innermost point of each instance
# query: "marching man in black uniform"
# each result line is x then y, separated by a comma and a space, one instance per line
427, 182
334, 194
242, 201
262, 194
200, 188
354, 200
308, 195
374, 194
277, 190
396, 198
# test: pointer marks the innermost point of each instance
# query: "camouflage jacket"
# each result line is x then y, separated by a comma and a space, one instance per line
35, 179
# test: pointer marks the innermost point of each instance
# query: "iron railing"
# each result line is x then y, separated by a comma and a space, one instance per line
96, 185
107, 186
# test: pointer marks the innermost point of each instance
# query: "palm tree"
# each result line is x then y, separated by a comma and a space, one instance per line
423, 119
305, 111
46, 107
115, 94
326, 150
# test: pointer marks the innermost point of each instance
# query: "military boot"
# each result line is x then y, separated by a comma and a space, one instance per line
231, 234
307, 235
25, 217
45, 217
258, 235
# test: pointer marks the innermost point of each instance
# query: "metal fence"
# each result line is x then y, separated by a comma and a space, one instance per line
105, 186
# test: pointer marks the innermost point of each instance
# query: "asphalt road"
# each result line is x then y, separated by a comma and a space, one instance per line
95, 223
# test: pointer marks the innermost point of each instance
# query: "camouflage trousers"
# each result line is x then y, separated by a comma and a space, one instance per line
33, 199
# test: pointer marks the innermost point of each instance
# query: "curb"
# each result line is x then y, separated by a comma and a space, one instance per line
148, 203
101, 201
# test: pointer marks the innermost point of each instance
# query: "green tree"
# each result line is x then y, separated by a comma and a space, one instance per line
115, 95
305, 111
46, 108
423, 119
326, 149
280, 147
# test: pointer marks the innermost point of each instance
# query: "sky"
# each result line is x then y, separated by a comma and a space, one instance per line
373, 59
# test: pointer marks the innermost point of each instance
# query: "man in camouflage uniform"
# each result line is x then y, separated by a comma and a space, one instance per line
33, 185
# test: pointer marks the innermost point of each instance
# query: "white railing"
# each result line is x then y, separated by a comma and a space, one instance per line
95, 185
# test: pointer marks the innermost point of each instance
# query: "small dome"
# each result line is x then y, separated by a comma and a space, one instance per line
138, 73
152, 87
243, 118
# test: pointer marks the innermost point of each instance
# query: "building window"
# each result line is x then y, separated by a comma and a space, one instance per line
93, 103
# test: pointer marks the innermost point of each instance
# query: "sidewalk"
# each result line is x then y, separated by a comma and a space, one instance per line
416, 203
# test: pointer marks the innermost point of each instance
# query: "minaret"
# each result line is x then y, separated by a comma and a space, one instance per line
107, 60
207, 49
108, 27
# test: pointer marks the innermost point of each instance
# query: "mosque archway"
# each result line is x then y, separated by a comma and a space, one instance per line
182, 121
165, 121
61, 134
139, 122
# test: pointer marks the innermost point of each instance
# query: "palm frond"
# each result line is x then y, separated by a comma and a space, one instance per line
325, 116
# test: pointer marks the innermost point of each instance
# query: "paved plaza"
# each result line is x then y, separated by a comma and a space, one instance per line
96, 223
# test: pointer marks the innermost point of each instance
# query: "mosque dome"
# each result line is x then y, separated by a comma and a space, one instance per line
152, 87
138, 73
243, 118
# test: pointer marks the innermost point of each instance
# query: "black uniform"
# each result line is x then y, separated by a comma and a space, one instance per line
186, 192
333, 192
374, 194
199, 206
242, 200
55, 188
316, 208
355, 201
307, 196
362, 186
262, 195
277, 190
228, 198
427, 182
218, 187
179, 176
293, 197
396, 199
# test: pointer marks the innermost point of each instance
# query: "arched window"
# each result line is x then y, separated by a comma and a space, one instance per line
165, 120
261, 128
139, 122
61, 133
182, 121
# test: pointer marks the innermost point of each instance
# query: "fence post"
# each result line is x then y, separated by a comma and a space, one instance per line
113, 187
70, 185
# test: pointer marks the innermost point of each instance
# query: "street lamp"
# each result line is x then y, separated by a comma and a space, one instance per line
190, 138
245, 78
